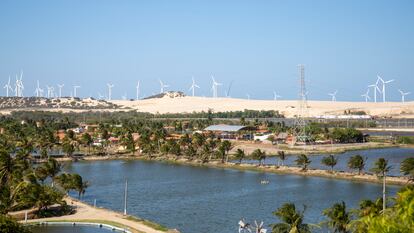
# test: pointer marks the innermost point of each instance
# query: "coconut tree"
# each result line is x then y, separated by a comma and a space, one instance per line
259, 155
282, 156
338, 218
303, 161
87, 141
240, 155
407, 168
381, 168
52, 167
357, 162
292, 220
370, 208
226, 147
329, 161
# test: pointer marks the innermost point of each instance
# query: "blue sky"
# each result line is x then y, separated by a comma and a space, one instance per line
255, 44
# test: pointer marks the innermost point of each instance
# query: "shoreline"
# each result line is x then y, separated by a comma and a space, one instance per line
287, 170
86, 213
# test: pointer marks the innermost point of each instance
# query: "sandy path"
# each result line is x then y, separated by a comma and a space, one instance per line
87, 212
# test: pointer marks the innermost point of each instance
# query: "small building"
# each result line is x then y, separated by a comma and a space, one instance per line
231, 131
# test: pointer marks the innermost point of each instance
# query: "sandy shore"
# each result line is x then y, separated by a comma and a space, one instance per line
87, 213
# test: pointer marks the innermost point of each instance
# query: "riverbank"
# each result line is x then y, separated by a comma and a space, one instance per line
89, 214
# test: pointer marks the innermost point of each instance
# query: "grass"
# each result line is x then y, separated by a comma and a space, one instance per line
148, 223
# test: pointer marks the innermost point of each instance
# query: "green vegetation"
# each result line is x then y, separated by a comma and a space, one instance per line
330, 161
408, 140
357, 162
369, 218
407, 168
8, 225
303, 161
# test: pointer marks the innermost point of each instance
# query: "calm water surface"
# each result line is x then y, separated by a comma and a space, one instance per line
393, 155
206, 200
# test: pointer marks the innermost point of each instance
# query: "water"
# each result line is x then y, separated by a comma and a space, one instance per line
68, 229
393, 155
206, 200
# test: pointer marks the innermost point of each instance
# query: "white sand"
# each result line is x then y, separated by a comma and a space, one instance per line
287, 107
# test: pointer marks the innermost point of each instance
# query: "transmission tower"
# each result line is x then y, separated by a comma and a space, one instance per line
300, 122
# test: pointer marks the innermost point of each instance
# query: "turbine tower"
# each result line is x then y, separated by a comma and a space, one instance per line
383, 86
75, 89
403, 94
376, 88
8, 87
214, 87
19, 87
60, 86
366, 96
276, 96
137, 90
333, 95
49, 91
193, 87
162, 86
38, 90
248, 96
110, 86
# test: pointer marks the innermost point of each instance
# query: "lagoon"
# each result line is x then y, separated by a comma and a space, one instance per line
210, 200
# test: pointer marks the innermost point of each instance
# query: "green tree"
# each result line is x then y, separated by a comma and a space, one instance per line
338, 218
292, 220
407, 168
281, 156
303, 161
329, 161
381, 168
52, 167
226, 147
259, 155
240, 155
87, 141
357, 162
9, 225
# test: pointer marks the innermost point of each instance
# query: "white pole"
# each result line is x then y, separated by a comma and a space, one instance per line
94, 203
125, 197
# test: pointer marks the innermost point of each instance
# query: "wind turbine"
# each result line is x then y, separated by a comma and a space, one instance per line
227, 93
125, 96
49, 91
8, 87
137, 90
333, 95
366, 96
383, 86
75, 88
110, 86
375, 86
248, 96
214, 87
193, 86
19, 85
276, 96
403, 94
162, 86
60, 86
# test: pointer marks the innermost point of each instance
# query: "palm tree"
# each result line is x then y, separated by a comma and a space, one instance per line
303, 161
330, 161
357, 162
407, 168
292, 220
282, 156
370, 208
381, 168
339, 218
227, 146
87, 141
52, 167
240, 155
259, 155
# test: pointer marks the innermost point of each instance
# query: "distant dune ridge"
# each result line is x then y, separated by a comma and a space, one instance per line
177, 102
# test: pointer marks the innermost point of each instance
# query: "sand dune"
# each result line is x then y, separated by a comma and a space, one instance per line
287, 107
